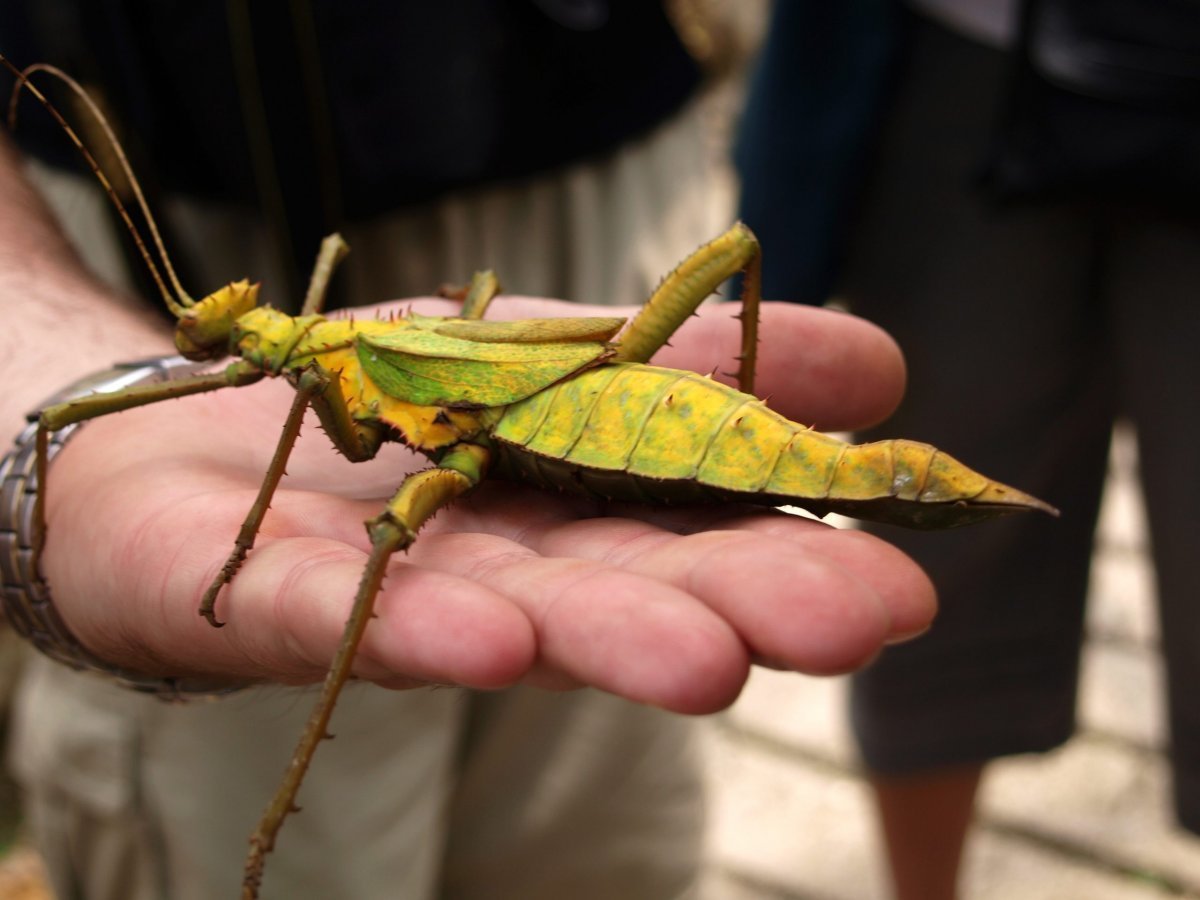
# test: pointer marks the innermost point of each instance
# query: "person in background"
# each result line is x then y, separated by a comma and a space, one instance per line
560, 143
1028, 230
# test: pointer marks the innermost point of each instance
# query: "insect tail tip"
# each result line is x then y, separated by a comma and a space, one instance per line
1002, 495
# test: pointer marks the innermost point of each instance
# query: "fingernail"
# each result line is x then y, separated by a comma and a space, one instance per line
905, 636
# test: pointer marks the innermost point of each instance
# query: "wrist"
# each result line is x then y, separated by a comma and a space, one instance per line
27, 601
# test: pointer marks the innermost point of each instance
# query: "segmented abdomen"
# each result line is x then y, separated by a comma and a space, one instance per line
636, 432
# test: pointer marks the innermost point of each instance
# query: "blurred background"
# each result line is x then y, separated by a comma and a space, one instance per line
792, 814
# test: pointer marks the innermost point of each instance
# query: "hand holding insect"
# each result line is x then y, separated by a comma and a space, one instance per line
499, 588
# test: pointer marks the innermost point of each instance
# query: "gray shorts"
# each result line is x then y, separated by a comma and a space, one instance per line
1028, 332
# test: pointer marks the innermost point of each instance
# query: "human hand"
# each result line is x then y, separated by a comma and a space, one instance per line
666, 606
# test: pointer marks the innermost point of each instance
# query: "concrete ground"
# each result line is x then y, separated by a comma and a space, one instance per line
792, 818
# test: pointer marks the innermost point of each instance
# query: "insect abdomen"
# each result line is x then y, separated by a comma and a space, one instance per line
636, 432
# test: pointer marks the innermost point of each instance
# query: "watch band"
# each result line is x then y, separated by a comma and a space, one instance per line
27, 604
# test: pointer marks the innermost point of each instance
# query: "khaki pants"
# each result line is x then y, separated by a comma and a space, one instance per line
429, 793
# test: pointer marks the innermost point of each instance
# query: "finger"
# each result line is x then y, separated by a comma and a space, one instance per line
901, 584
285, 613
594, 625
793, 603
624, 632
867, 583
478, 610
288, 607
904, 588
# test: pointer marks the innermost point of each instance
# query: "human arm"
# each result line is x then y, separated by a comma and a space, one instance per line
60, 323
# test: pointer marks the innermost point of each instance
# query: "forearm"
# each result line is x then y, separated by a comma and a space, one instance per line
59, 322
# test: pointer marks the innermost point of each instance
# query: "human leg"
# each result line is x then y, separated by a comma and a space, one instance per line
132, 799
925, 850
1153, 277
1007, 370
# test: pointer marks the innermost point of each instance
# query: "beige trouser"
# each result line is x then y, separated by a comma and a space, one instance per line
428, 793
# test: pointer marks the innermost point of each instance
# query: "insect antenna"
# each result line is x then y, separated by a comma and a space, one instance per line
179, 306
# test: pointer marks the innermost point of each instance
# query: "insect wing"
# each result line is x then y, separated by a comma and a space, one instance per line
432, 369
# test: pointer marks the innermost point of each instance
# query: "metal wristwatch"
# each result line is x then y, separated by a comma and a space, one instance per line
27, 604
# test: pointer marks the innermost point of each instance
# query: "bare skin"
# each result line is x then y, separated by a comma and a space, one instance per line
664, 607
925, 818
44, 287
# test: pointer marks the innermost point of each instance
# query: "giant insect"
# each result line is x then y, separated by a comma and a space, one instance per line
569, 404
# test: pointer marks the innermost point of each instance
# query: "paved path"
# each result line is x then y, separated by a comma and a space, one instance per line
792, 818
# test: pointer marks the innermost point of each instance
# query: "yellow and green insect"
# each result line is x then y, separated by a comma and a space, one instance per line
570, 404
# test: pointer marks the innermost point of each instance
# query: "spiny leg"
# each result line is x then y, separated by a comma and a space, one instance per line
419, 497
357, 441
311, 383
682, 292
476, 296
333, 251
751, 298
93, 406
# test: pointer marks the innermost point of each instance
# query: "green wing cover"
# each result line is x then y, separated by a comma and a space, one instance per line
432, 369
532, 331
